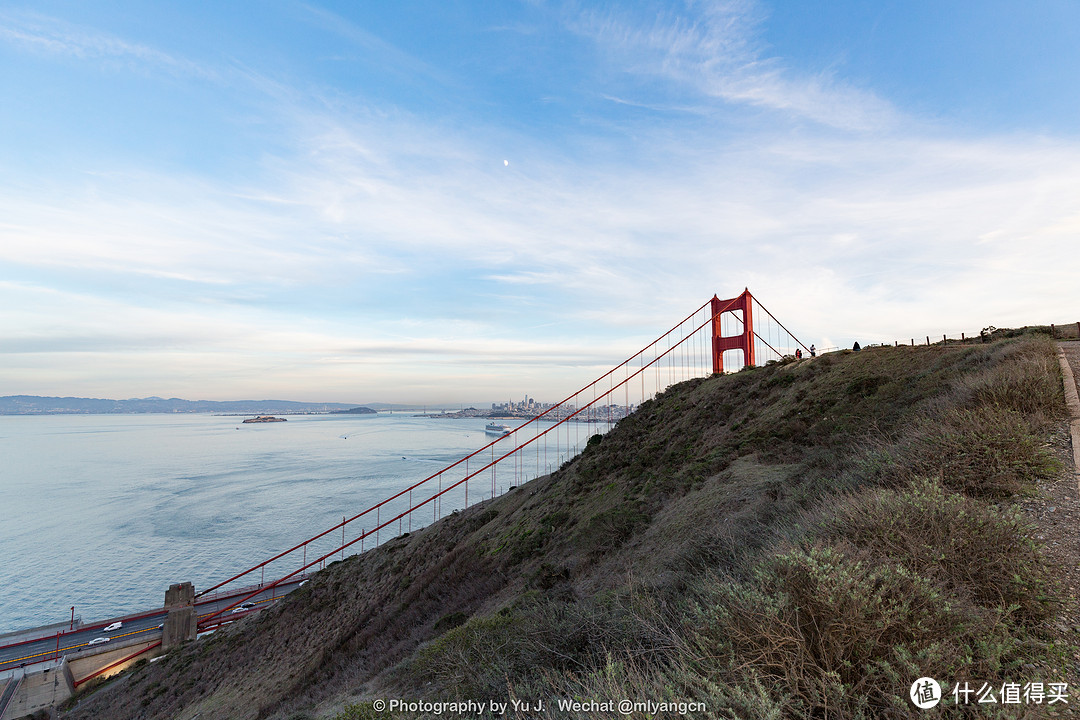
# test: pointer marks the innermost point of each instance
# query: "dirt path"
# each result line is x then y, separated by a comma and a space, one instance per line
1056, 514
1070, 351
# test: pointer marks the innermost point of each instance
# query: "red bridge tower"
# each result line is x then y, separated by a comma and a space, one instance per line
743, 341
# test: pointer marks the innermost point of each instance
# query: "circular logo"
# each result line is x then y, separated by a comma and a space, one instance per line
925, 693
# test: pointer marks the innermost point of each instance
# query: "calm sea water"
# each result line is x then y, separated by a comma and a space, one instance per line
103, 512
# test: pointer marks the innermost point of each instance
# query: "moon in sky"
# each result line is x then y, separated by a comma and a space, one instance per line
506, 163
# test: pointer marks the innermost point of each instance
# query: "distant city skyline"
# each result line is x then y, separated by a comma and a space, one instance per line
51, 405
429, 202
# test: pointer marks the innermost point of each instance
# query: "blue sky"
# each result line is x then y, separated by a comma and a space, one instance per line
446, 202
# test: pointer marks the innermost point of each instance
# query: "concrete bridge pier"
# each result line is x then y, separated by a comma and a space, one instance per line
181, 623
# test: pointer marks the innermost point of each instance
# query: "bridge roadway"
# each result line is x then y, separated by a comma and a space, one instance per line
143, 626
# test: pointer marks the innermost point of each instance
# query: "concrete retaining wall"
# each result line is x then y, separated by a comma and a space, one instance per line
40, 691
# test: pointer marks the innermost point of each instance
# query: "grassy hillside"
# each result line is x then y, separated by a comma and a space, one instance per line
798, 540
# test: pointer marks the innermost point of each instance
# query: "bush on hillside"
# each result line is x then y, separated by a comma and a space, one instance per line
1026, 379
989, 452
982, 553
836, 634
480, 658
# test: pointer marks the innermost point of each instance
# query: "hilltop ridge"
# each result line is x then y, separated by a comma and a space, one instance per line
770, 543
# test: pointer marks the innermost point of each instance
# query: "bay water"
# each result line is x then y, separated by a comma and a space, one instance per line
103, 512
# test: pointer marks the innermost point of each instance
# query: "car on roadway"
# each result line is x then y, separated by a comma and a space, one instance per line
115, 626
99, 641
244, 607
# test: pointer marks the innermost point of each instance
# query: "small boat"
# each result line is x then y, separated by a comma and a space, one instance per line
496, 429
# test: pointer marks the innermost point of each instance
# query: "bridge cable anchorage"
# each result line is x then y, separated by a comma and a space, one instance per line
677, 355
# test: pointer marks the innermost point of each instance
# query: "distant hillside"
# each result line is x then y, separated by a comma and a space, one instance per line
354, 411
36, 405
801, 540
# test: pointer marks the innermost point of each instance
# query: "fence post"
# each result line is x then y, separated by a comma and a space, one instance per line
944, 340
927, 339
1052, 335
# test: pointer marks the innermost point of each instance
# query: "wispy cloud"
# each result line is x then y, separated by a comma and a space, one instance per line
41, 33
712, 47
913, 222
390, 57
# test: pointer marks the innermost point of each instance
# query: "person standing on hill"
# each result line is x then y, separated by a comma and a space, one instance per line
813, 350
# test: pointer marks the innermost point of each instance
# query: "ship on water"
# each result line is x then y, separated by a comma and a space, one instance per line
496, 429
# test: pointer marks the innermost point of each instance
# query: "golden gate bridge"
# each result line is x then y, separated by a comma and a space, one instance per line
720, 336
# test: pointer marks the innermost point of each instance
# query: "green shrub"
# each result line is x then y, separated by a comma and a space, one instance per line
989, 451
834, 634
985, 553
607, 530
449, 622
362, 711
521, 644
1027, 380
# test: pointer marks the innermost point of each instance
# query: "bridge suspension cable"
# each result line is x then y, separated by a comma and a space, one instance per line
693, 347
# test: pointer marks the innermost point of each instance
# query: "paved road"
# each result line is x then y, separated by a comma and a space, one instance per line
142, 626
